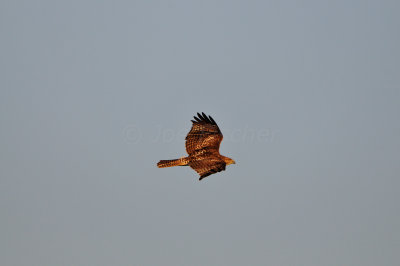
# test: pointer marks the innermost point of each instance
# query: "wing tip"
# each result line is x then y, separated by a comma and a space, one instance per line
212, 120
203, 118
210, 172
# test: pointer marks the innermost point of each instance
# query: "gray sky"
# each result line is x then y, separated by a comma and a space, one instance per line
94, 93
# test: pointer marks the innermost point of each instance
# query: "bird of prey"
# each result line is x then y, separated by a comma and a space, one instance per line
202, 145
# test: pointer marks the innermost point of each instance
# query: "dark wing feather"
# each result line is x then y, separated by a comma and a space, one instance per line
207, 167
204, 134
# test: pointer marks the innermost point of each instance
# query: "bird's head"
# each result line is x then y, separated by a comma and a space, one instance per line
229, 161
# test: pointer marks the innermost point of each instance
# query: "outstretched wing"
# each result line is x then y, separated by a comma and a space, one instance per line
205, 133
207, 163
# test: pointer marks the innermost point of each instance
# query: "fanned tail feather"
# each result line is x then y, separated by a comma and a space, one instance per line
175, 162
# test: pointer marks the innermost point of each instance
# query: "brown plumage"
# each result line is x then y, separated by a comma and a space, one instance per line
202, 145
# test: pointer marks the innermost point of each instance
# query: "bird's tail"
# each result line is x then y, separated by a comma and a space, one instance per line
176, 162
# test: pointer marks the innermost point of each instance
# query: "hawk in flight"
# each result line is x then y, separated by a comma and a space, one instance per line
202, 145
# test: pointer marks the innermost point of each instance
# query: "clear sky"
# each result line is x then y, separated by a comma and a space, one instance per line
94, 93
